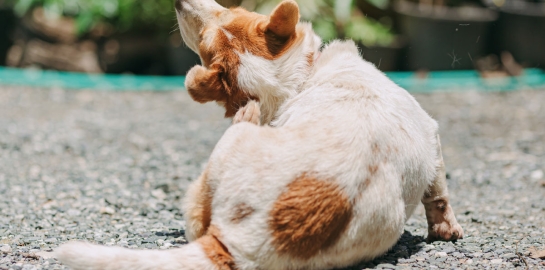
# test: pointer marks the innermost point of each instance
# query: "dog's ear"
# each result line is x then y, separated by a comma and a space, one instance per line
205, 84
284, 19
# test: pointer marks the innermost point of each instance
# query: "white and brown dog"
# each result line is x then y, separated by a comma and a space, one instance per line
341, 162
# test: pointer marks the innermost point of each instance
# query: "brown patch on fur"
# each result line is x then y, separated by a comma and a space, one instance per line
441, 205
242, 210
309, 217
363, 186
252, 32
216, 251
203, 213
375, 148
310, 59
257, 34
373, 169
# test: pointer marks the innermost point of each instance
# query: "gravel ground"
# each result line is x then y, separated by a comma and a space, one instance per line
111, 168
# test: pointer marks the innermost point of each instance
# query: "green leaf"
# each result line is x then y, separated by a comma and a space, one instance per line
84, 22
325, 29
23, 6
343, 10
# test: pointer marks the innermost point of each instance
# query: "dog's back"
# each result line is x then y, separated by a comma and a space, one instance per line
354, 142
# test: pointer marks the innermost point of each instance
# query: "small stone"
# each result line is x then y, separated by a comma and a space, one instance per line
470, 261
509, 256
31, 239
440, 254
386, 266
73, 212
496, 261
159, 194
45, 255
428, 248
5, 249
107, 210
50, 240
457, 255
476, 254
537, 175
150, 240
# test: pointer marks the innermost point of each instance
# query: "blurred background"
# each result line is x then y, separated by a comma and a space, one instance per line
494, 37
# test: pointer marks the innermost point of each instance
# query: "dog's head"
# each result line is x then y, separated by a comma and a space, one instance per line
245, 55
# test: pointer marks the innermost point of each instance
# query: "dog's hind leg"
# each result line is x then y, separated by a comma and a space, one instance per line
197, 208
249, 113
442, 224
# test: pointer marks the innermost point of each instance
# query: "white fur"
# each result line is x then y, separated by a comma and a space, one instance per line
334, 120
83, 256
281, 79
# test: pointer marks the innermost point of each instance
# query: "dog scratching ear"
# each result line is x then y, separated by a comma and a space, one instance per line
204, 84
284, 19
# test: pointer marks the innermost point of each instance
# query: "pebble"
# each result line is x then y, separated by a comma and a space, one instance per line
537, 175
107, 210
5, 248
508, 256
440, 254
496, 261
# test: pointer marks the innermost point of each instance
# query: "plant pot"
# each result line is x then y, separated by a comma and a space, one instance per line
7, 22
444, 38
521, 31
384, 58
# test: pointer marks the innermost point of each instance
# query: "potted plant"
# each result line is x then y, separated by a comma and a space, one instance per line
7, 21
520, 30
341, 19
444, 34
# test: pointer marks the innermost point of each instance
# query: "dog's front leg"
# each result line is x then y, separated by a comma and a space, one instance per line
442, 224
249, 113
197, 208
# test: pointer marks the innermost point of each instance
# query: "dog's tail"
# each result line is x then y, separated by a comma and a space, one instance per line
207, 253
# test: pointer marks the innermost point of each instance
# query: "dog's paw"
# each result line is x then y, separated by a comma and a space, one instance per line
442, 224
445, 231
249, 113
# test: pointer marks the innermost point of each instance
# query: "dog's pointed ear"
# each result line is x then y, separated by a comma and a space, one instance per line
205, 84
284, 19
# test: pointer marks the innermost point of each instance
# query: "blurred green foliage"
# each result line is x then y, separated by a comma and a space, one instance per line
122, 14
333, 19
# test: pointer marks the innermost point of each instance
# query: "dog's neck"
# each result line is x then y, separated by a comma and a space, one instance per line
275, 81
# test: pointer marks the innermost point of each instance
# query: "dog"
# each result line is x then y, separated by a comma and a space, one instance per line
326, 160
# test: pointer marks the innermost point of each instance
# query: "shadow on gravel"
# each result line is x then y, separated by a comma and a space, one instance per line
407, 245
